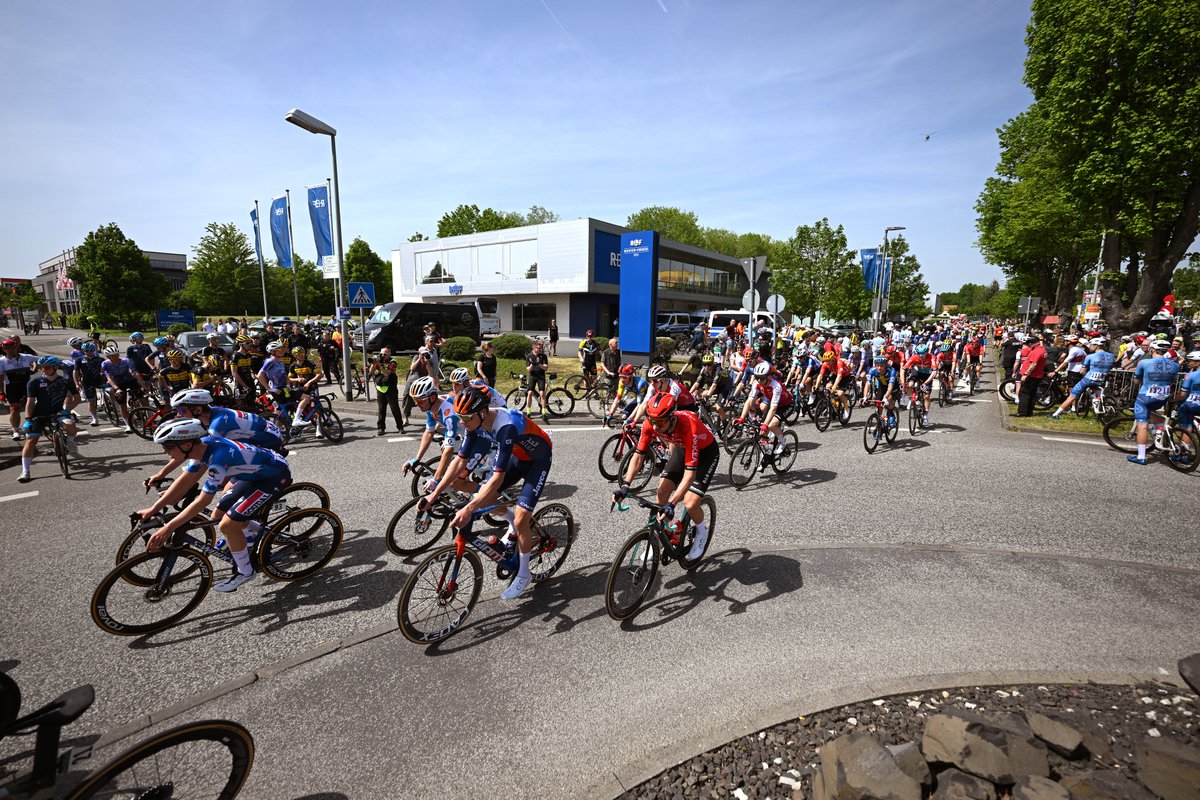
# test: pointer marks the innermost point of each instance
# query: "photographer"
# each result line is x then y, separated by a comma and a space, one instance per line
382, 370
421, 366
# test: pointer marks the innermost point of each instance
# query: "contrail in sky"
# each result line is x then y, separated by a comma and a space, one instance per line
663, 6
560, 26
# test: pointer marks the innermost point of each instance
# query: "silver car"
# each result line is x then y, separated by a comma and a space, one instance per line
193, 343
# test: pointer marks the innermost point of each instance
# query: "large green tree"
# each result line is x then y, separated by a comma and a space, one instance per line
908, 286
313, 290
25, 297
114, 276
469, 219
223, 277
364, 264
1117, 86
814, 271
671, 223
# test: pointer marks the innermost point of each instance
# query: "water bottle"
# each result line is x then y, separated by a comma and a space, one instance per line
674, 531
251, 536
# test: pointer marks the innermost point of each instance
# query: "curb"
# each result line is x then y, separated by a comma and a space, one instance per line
629, 776
1008, 425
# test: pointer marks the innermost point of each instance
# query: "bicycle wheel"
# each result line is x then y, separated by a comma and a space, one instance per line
143, 421
554, 532
60, 452
145, 575
439, 595
631, 576
845, 409
1121, 434
411, 532
891, 427
744, 463
112, 410
10, 699
1007, 390
612, 453
914, 417
1045, 395
598, 402
872, 433
822, 414
300, 543
1083, 403
791, 447
943, 395
302, 494
516, 398
708, 508
559, 402
211, 758
420, 475
576, 385
643, 475
330, 426
123, 608
1182, 455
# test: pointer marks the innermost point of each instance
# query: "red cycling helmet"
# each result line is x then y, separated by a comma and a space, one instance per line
891, 348
661, 407
627, 370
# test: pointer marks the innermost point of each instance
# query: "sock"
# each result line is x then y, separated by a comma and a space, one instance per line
242, 559
510, 516
523, 569
26, 463
1142, 452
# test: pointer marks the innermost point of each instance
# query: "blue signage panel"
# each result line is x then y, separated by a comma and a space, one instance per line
639, 291
606, 253
362, 295
343, 313
168, 318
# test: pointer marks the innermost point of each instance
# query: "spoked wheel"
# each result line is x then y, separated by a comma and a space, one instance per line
122, 607
1008, 390
576, 385
211, 758
598, 403
435, 601
1121, 434
301, 494
559, 402
791, 447
143, 421
554, 531
744, 463
873, 432
516, 398
631, 576
412, 531
822, 414
1084, 403
1183, 455
60, 452
145, 574
735, 435
891, 426
612, 453
644, 475
914, 418
708, 507
300, 543
330, 425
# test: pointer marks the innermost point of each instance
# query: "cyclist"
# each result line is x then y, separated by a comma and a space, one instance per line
46, 395
122, 379
974, 353
1156, 375
838, 372
882, 382
302, 377
89, 377
917, 372
630, 392
138, 352
690, 467
158, 359
589, 351
175, 376
523, 454
495, 399
661, 382
1096, 367
241, 365
207, 374
1189, 398
214, 350
946, 365
256, 476
773, 393
15, 370
713, 382
439, 413
273, 373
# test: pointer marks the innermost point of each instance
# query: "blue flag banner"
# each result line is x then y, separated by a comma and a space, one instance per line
870, 266
887, 275
257, 234
318, 212
279, 232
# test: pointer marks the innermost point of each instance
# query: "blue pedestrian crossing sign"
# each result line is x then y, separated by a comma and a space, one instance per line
362, 295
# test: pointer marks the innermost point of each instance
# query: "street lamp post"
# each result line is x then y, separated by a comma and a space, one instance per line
884, 292
314, 125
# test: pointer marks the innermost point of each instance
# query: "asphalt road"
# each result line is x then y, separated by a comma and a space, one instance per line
966, 548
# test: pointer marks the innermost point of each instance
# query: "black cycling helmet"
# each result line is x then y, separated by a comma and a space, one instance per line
470, 401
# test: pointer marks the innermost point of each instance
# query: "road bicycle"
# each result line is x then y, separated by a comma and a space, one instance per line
440, 594
880, 426
615, 448
327, 423
150, 592
945, 386
830, 406
654, 463
1180, 446
918, 417
209, 758
56, 432
661, 541
756, 454
414, 529
1095, 400
559, 402
145, 419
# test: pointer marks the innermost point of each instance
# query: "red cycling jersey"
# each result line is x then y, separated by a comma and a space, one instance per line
683, 397
840, 368
690, 433
920, 363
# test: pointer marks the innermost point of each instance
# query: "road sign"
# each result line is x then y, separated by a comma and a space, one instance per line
343, 313
362, 295
776, 304
749, 297
166, 318
1029, 305
329, 266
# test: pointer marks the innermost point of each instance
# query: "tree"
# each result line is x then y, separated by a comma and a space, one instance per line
540, 216
364, 264
908, 290
417, 237
114, 276
814, 271
723, 241
469, 219
1117, 86
1186, 281
223, 277
26, 298
314, 292
671, 223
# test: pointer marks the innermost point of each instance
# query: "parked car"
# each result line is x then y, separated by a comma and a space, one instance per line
194, 342
401, 326
672, 323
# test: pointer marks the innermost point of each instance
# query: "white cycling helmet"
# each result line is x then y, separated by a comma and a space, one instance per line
179, 430
192, 397
75, 342
460, 375
422, 387
762, 369
656, 372
112, 350
1160, 346
1099, 341
274, 346
1193, 356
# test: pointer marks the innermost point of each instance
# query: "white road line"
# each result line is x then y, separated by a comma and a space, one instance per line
112, 432
1073, 441
579, 428
405, 439
20, 496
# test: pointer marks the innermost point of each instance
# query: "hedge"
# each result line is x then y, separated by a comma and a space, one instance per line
512, 345
458, 348
178, 328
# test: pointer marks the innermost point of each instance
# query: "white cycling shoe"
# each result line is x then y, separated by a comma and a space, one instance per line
698, 544
516, 588
233, 583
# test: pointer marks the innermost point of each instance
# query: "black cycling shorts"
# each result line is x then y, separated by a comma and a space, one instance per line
537, 383
710, 456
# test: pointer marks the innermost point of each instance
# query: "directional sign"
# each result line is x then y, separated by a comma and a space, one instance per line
343, 313
329, 266
362, 295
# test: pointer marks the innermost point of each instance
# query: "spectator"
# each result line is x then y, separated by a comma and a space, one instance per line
208, 326
610, 360
418, 368
1033, 370
485, 364
552, 331
331, 356
1009, 347
383, 372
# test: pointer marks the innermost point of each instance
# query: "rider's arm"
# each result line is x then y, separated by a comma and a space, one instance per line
178, 488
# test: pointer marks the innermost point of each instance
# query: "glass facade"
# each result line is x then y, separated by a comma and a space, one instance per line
485, 262
533, 316
681, 276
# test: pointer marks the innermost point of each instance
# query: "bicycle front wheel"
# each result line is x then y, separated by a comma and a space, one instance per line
300, 495
147, 573
554, 529
559, 402
631, 576
913, 418
211, 758
435, 601
744, 463
300, 543
330, 425
60, 452
1182, 455
516, 398
643, 476
872, 433
598, 402
411, 531
1121, 434
612, 453
576, 385
822, 414
123, 608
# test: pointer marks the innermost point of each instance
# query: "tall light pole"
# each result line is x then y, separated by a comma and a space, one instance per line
884, 292
314, 125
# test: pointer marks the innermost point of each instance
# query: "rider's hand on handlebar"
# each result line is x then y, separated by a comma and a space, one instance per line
668, 512
739, 421
621, 492
408, 465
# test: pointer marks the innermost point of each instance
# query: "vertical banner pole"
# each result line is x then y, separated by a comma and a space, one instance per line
337, 284
362, 327
292, 246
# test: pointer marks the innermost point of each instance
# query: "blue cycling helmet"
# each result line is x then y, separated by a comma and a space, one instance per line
161, 341
136, 335
922, 349
89, 347
49, 361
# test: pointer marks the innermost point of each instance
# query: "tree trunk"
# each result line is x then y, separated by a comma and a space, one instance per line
1069, 275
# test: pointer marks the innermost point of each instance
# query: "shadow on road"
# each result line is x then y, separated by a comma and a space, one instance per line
797, 478
91, 468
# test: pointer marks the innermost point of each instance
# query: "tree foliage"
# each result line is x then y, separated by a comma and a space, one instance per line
909, 289
814, 271
972, 298
670, 222
314, 291
114, 276
224, 275
364, 264
25, 297
469, 219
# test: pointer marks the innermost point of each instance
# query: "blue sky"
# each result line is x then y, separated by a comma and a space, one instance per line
758, 116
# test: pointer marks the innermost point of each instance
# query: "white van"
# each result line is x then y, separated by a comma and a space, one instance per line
718, 320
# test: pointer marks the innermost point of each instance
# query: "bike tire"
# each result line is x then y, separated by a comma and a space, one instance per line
631, 576
1121, 434
10, 699
598, 403
843, 416
913, 418
112, 410
559, 402
516, 398
1007, 390
873, 431
142, 420
643, 476
612, 453
576, 385
943, 395
554, 527
890, 431
709, 510
784, 461
822, 414
425, 588
134, 544
417, 533
417, 477
228, 753
744, 463
191, 585
60, 452
1183, 447
1083, 403
299, 544
331, 425
300, 495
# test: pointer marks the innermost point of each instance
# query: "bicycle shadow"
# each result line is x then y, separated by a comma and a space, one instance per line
715, 580
341, 587
324, 796
798, 478
904, 445
549, 601
944, 426
94, 468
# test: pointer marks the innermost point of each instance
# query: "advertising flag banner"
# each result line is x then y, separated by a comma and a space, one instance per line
318, 212
887, 275
257, 234
870, 266
280, 239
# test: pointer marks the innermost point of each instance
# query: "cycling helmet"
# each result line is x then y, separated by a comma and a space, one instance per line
471, 401
192, 397
297, 350
922, 348
422, 387
944, 347
88, 347
590, 333
880, 360
136, 336
212, 336
49, 361
661, 407
707, 358
656, 372
828, 356
748, 350
1160, 346
161, 341
1099, 341
460, 375
179, 430
242, 338
627, 370
891, 348
274, 346
75, 342
175, 353
1160, 336
112, 350
1193, 356
820, 340
762, 369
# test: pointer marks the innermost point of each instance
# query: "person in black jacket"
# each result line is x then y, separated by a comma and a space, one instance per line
331, 356
383, 372
1009, 348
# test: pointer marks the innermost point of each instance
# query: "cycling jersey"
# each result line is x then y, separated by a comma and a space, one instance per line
1190, 407
945, 360
137, 355
121, 371
836, 367
495, 399
1075, 358
1098, 364
242, 426
243, 462
691, 435
275, 371
637, 386
1157, 375
158, 360
302, 371
516, 436
590, 351
920, 363
443, 414
243, 364
882, 379
90, 370
683, 397
177, 378
49, 396
16, 371
774, 391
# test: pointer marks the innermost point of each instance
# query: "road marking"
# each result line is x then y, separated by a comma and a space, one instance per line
113, 432
404, 439
1073, 441
20, 496
578, 428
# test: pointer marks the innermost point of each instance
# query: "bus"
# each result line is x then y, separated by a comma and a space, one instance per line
488, 309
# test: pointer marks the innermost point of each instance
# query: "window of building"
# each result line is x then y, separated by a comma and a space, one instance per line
432, 267
521, 257
533, 316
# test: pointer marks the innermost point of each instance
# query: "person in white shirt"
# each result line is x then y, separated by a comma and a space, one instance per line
308, 320
208, 326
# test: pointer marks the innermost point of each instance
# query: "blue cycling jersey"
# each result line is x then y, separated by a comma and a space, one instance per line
120, 371
1098, 365
242, 426
227, 459
883, 377
275, 371
515, 435
1157, 375
1191, 385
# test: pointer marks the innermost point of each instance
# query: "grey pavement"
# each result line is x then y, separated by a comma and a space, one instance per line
964, 549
